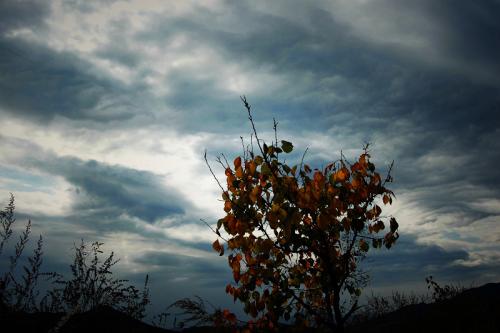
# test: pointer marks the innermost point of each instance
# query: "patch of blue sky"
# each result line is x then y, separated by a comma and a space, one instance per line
453, 235
19, 180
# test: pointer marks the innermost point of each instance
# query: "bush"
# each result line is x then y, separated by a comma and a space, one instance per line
91, 284
19, 293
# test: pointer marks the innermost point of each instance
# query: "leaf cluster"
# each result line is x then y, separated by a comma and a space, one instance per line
295, 235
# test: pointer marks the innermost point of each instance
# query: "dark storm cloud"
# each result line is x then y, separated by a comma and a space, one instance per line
439, 122
114, 189
409, 263
85, 6
285, 47
100, 188
40, 84
333, 73
205, 271
474, 30
16, 14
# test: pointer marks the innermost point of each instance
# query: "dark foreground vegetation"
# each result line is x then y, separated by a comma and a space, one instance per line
473, 310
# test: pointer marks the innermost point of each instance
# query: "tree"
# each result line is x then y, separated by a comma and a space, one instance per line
295, 235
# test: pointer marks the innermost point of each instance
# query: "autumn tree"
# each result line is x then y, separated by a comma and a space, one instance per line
296, 235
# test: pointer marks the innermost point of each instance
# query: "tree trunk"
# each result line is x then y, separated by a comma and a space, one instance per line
339, 320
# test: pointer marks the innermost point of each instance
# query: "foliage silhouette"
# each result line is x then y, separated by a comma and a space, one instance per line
378, 306
442, 293
19, 293
296, 236
91, 284
194, 312
473, 309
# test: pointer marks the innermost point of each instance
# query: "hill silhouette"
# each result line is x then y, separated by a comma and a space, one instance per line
100, 319
474, 310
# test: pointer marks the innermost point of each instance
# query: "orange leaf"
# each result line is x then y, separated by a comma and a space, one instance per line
356, 182
218, 247
252, 167
239, 172
341, 175
363, 161
256, 191
386, 199
229, 316
319, 179
237, 162
376, 179
227, 206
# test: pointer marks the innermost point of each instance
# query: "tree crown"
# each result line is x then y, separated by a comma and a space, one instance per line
296, 235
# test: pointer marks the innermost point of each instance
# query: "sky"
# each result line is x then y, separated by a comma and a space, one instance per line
107, 107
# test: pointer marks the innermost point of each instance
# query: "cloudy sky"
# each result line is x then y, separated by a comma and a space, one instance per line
106, 108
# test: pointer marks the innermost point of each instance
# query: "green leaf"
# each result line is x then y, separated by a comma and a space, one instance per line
219, 223
265, 169
286, 146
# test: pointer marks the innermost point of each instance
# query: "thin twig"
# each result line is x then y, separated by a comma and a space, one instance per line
247, 106
243, 147
213, 230
388, 178
275, 127
211, 171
